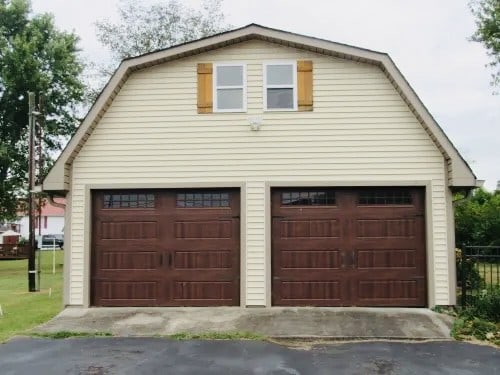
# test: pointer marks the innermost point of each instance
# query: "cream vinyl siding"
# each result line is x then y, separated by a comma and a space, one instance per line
359, 131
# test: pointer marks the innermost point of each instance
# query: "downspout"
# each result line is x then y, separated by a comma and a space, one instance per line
54, 203
468, 195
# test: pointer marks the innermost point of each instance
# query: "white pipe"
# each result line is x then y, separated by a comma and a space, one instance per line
53, 256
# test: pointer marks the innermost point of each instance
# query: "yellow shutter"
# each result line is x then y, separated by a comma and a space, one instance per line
305, 85
205, 100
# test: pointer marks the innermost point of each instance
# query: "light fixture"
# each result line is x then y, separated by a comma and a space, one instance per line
255, 123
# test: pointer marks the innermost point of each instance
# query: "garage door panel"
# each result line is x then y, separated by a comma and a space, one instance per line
310, 259
216, 233
128, 292
376, 259
204, 259
390, 292
385, 228
127, 259
309, 228
313, 291
132, 230
203, 293
206, 229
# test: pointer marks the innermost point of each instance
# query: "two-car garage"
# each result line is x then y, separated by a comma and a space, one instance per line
329, 247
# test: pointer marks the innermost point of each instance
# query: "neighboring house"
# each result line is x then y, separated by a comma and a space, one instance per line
52, 220
259, 168
5, 227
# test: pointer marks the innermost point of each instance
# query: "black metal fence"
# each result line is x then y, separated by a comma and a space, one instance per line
478, 270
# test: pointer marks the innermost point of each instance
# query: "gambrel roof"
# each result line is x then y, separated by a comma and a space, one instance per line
459, 173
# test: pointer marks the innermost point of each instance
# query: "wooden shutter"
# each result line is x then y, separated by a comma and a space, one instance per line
305, 85
205, 96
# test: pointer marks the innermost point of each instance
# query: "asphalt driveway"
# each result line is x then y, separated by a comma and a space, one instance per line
103, 356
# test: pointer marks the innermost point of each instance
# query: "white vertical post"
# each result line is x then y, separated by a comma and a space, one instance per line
53, 256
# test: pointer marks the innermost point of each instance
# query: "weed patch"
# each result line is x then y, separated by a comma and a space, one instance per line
68, 334
217, 336
481, 319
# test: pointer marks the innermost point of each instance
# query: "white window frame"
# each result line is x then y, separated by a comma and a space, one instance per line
243, 87
293, 86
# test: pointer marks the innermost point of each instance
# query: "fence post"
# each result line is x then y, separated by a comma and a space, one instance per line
464, 278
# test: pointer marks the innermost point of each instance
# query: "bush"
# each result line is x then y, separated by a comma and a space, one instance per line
487, 305
481, 319
465, 328
472, 276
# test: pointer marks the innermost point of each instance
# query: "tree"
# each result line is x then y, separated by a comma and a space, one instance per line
142, 29
477, 220
34, 56
487, 13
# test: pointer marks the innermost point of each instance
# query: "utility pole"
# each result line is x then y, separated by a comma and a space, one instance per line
31, 180
39, 176
35, 166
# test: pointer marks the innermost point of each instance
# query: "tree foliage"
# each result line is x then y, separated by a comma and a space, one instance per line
477, 220
142, 29
487, 13
34, 56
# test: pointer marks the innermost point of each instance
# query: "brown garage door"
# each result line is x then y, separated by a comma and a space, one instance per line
348, 247
165, 248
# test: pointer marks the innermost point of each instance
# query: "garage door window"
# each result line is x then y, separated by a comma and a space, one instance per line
308, 198
378, 197
129, 201
202, 199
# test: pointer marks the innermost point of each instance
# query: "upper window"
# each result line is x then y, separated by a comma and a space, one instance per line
280, 86
230, 88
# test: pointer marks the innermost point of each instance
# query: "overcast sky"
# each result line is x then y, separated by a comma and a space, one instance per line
427, 39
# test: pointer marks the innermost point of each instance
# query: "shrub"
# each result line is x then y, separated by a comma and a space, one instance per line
472, 276
487, 305
481, 319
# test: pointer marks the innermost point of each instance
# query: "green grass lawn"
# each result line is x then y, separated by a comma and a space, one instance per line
23, 310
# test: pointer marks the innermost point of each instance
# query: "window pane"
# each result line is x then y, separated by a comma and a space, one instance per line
229, 76
230, 99
279, 98
308, 198
203, 199
279, 74
379, 197
129, 201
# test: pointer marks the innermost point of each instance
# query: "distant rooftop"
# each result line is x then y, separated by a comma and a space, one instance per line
48, 209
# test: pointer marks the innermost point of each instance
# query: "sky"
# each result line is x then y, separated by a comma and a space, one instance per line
427, 39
